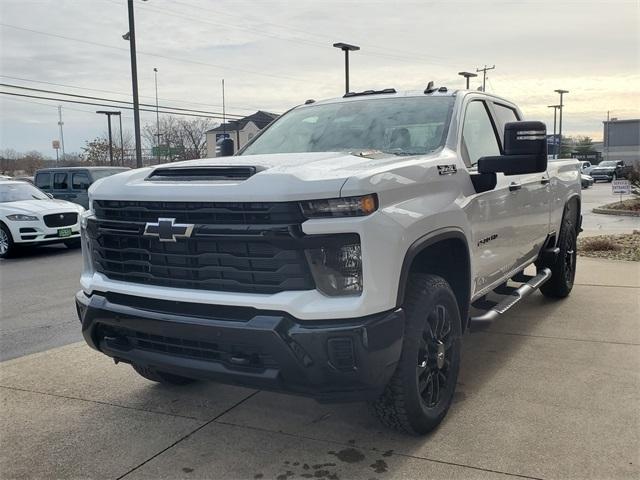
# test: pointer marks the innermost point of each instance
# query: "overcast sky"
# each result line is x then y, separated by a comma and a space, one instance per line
274, 54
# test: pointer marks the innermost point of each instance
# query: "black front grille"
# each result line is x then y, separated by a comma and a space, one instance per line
61, 219
237, 247
210, 213
240, 354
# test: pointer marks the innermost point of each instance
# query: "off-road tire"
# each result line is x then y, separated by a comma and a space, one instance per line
73, 243
160, 376
402, 405
563, 270
6, 237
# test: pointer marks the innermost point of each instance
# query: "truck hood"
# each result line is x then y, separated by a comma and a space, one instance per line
278, 177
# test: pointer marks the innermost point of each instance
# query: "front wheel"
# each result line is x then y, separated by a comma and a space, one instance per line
7, 246
421, 390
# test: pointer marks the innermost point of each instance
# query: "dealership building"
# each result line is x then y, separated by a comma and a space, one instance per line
622, 140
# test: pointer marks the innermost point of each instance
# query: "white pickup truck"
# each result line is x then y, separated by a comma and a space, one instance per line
342, 254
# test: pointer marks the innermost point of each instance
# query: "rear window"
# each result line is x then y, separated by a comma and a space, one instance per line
43, 180
60, 181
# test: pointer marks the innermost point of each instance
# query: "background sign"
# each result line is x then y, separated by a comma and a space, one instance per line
55, 144
621, 186
220, 136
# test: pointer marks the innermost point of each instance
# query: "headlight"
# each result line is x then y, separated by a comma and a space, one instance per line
340, 207
84, 218
337, 270
18, 217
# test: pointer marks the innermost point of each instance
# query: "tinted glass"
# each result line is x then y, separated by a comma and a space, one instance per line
15, 192
43, 180
504, 115
80, 181
400, 125
60, 181
478, 136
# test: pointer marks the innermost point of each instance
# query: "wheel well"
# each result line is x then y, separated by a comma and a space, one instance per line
449, 259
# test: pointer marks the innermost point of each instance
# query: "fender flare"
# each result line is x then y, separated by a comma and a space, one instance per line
420, 245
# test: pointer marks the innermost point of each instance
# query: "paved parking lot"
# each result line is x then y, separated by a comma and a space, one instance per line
552, 390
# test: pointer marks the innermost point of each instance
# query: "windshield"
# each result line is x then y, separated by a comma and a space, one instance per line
607, 163
403, 126
15, 192
98, 174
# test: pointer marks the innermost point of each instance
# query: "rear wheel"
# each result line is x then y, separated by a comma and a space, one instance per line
563, 270
420, 392
7, 247
160, 376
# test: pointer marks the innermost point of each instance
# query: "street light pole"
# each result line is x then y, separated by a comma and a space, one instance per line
346, 48
155, 73
560, 106
555, 113
108, 114
60, 124
131, 36
467, 76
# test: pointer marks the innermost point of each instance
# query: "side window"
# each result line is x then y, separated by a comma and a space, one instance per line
478, 136
80, 181
60, 181
43, 180
504, 115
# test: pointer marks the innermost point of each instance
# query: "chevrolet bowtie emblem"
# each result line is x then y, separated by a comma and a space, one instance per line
167, 230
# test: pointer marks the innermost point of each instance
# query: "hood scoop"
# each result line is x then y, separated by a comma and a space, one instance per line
212, 173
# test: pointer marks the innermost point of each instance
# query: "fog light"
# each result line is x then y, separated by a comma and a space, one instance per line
337, 270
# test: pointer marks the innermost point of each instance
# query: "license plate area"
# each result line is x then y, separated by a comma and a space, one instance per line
64, 232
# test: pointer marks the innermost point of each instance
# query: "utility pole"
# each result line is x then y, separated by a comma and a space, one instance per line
131, 36
484, 75
155, 74
555, 114
560, 106
467, 76
108, 114
346, 48
60, 124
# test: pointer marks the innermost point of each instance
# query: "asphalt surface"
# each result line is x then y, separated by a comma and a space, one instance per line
37, 287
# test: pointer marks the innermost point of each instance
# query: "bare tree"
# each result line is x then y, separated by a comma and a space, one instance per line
182, 139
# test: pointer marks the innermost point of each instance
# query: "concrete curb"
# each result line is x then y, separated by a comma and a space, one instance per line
611, 211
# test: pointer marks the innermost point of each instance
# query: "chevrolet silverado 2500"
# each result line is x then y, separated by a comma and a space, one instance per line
341, 254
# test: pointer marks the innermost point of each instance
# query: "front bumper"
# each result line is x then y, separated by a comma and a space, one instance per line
32, 232
336, 360
602, 175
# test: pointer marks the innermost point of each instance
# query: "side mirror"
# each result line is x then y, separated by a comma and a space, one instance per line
225, 147
525, 150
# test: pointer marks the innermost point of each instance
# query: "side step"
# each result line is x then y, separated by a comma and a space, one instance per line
510, 300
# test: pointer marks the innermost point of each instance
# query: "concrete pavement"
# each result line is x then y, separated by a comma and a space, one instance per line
551, 390
597, 224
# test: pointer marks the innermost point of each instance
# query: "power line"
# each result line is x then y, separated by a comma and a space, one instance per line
119, 93
106, 105
157, 55
39, 90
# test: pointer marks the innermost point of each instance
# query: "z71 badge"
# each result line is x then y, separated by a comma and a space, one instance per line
447, 169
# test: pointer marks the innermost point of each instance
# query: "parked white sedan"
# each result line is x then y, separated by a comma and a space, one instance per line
28, 216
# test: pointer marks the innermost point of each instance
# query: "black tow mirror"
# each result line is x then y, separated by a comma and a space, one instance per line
525, 150
225, 147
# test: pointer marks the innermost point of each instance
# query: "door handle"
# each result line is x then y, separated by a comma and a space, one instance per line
514, 186
545, 180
